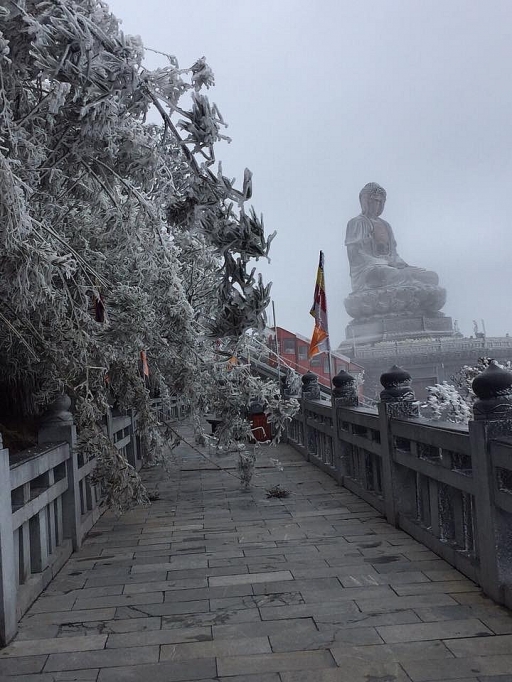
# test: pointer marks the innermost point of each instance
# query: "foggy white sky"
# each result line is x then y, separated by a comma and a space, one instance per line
324, 96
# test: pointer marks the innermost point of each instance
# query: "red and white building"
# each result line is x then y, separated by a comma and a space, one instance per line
293, 349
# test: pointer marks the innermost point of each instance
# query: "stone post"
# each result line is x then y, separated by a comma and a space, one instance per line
290, 384
310, 386
8, 589
398, 395
110, 426
131, 450
397, 400
57, 426
310, 391
344, 394
492, 414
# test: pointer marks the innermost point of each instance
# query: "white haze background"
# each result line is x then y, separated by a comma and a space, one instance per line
323, 97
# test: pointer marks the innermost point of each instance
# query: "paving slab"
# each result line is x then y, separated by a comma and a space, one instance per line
481, 646
69, 616
478, 666
21, 665
417, 632
106, 658
157, 637
265, 577
219, 617
221, 648
390, 652
298, 660
451, 587
397, 603
500, 625
110, 626
459, 612
51, 646
265, 677
181, 671
213, 583
355, 671
294, 628
90, 675
291, 640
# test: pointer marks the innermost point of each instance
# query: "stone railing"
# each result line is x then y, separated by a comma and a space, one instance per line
385, 349
48, 503
174, 408
37, 525
447, 485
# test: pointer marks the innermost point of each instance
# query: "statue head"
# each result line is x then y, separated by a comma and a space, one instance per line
372, 199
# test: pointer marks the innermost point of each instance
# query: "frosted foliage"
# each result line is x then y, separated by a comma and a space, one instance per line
116, 235
445, 402
453, 402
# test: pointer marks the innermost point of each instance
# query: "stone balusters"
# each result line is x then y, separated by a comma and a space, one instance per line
344, 392
469, 509
397, 401
310, 386
8, 621
492, 419
57, 425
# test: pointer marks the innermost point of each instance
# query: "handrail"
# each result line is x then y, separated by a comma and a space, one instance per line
448, 486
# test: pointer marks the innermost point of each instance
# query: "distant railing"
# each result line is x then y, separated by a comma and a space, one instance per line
448, 487
173, 408
387, 349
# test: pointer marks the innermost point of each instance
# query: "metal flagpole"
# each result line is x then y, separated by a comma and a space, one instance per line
330, 368
277, 346
328, 337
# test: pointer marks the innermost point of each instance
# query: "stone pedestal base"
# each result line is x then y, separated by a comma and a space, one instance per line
410, 300
396, 329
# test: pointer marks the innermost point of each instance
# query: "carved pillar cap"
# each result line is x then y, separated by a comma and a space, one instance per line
310, 386
345, 389
397, 385
58, 411
493, 389
343, 379
308, 379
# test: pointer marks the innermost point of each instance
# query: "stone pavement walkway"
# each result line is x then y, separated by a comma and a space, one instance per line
212, 583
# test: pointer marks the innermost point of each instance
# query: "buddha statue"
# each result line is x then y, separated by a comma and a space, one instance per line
382, 282
371, 246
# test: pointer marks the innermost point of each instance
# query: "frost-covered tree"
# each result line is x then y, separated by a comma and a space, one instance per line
445, 402
453, 402
117, 235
